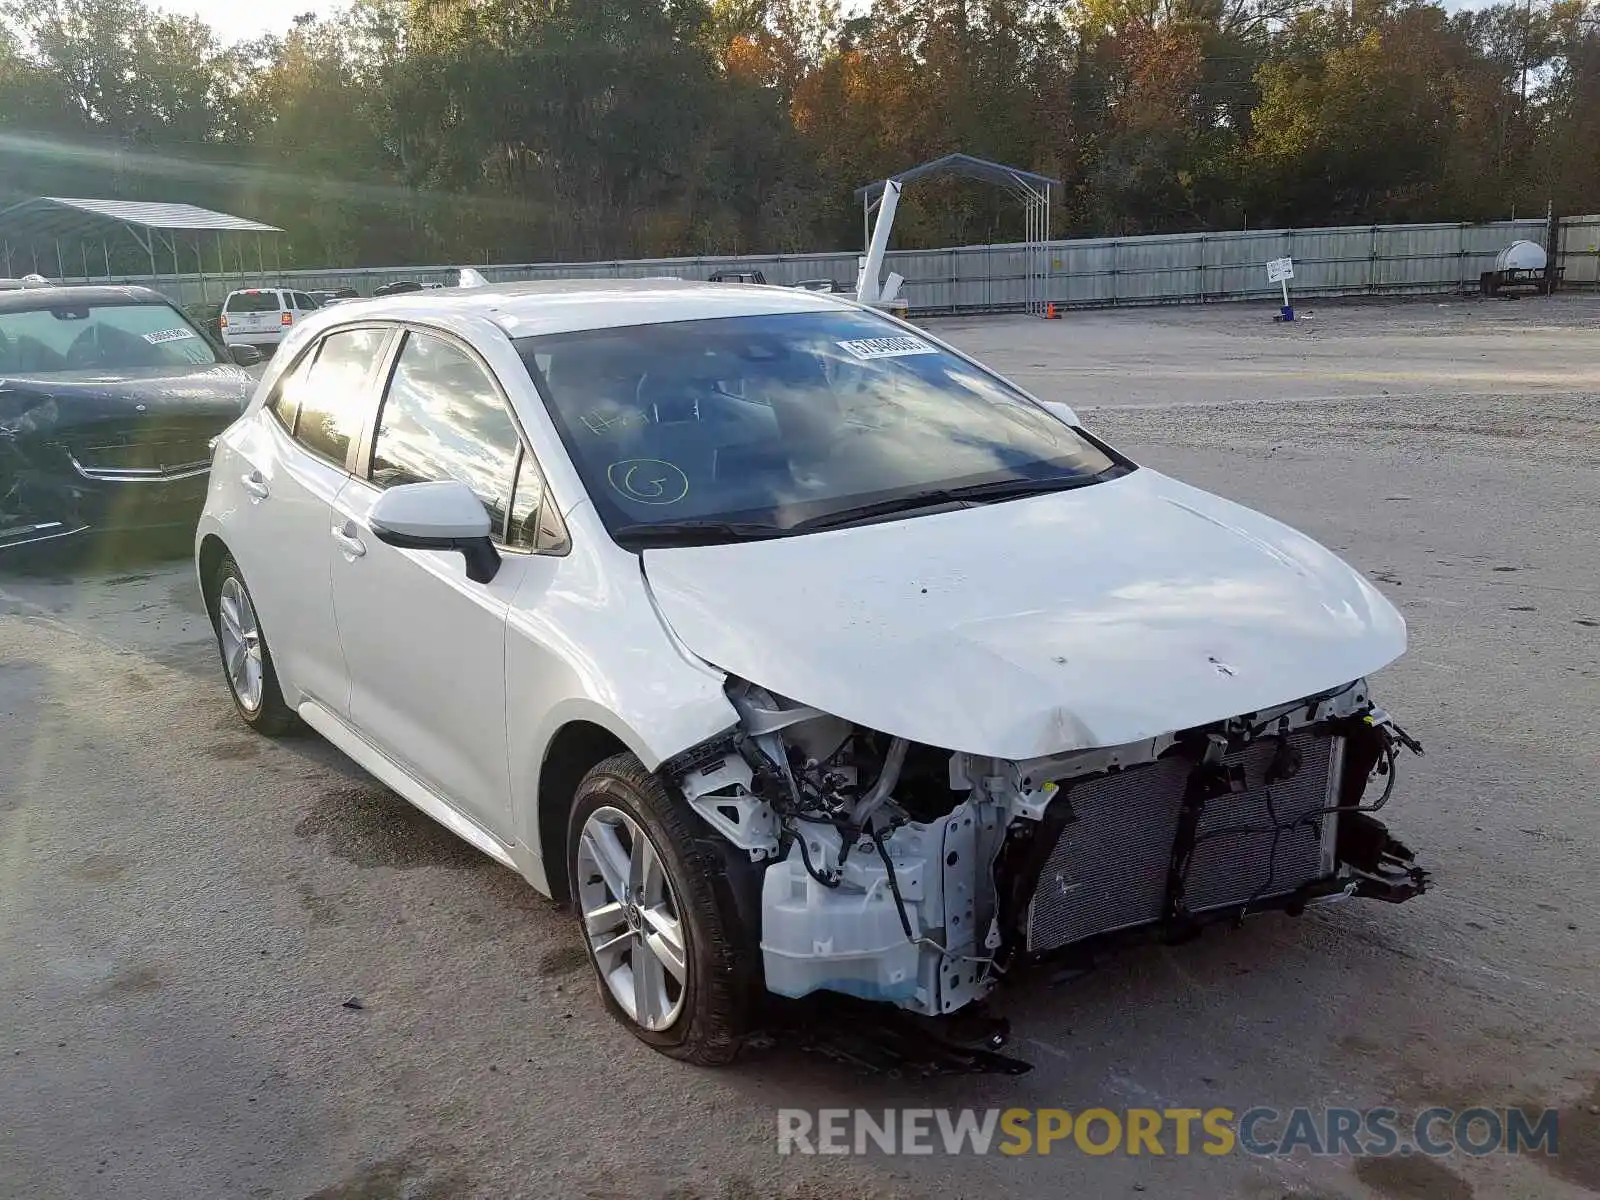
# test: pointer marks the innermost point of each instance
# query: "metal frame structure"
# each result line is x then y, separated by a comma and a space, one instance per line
1032, 189
174, 229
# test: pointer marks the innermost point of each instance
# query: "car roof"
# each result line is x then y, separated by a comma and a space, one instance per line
570, 305
35, 298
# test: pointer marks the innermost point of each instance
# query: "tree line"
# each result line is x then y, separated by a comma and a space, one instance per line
459, 131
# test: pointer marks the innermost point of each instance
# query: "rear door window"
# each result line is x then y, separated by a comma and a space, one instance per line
332, 394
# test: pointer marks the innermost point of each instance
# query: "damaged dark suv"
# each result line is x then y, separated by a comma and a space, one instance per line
109, 399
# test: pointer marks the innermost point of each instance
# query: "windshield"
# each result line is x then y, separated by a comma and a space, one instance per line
778, 423
253, 302
98, 337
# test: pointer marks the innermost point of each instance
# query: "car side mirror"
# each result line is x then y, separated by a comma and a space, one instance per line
1060, 411
245, 356
437, 516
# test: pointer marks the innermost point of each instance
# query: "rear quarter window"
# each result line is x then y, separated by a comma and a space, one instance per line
285, 402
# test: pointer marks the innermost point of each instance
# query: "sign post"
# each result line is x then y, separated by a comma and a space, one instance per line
1281, 270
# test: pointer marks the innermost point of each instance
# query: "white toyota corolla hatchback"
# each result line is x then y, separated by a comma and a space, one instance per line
794, 648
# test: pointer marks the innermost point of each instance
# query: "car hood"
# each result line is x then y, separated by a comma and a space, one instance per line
31, 403
1093, 617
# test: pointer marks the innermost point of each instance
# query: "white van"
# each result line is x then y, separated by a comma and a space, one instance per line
262, 317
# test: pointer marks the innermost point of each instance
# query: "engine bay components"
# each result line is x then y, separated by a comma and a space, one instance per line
898, 872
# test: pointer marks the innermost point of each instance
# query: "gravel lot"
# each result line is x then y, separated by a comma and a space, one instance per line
185, 908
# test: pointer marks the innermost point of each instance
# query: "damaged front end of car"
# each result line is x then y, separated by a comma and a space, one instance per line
82, 457
36, 505
899, 872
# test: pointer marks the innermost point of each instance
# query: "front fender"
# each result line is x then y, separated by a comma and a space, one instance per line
587, 645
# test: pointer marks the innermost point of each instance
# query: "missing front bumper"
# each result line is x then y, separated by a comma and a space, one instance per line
61, 509
1212, 830
926, 902
1158, 843
14, 537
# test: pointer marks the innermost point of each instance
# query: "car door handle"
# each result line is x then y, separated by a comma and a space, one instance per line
348, 541
255, 485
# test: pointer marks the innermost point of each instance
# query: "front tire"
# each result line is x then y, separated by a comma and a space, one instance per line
246, 659
673, 961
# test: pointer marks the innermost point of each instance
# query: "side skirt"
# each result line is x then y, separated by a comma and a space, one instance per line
398, 779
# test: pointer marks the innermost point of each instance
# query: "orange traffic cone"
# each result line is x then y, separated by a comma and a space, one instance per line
1050, 313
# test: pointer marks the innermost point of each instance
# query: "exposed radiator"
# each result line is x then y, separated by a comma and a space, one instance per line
1108, 870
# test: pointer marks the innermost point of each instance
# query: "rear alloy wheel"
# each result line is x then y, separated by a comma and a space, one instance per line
650, 884
246, 661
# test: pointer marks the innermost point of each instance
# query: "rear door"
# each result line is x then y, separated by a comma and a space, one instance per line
426, 645
296, 459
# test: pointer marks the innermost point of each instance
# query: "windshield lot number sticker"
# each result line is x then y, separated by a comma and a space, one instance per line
168, 335
867, 349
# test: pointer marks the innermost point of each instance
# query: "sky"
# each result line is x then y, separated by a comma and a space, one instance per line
235, 20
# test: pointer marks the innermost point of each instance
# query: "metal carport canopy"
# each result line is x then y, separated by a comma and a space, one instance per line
46, 218
1030, 187
1026, 182
50, 220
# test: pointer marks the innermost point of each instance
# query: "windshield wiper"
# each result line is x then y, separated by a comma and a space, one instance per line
880, 508
1011, 489
709, 532
691, 532
977, 493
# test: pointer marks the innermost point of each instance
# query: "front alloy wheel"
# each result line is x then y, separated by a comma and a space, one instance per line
630, 914
659, 897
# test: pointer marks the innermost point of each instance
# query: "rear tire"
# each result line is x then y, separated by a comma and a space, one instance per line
246, 658
628, 832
